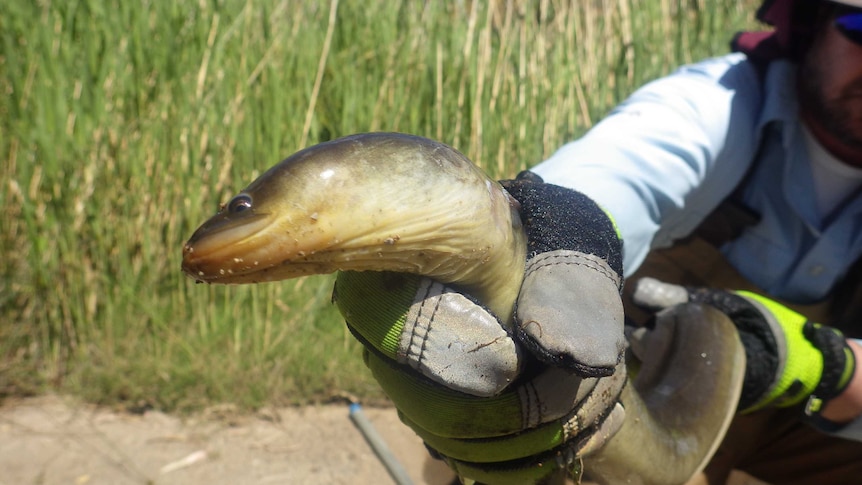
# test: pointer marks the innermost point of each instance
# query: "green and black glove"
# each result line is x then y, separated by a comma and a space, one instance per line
789, 358
506, 405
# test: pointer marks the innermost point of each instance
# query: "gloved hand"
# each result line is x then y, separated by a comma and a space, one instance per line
789, 358
447, 363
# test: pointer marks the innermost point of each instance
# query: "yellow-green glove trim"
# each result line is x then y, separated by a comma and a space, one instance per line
613, 222
430, 328
449, 413
519, 473
506, 448
803, 363
382, 313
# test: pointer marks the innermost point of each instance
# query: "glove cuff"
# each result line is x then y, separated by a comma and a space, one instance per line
839, 368
839, 362
830, 388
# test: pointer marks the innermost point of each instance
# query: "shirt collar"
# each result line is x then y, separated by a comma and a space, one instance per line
780, 103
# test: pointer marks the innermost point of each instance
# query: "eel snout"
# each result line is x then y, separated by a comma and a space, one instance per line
225, 246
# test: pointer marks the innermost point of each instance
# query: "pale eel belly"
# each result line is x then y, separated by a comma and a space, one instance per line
395, 202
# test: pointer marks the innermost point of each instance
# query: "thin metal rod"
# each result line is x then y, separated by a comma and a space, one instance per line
393, 466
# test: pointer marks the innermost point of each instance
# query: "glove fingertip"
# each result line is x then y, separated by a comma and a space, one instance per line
566, 360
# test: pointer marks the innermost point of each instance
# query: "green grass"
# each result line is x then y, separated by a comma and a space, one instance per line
123, 125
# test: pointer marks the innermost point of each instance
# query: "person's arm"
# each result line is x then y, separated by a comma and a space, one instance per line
664, 158
846, 408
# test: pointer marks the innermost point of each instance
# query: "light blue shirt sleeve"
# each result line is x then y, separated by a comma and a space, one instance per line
647, 162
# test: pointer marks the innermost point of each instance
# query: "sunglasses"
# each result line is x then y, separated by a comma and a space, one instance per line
848, 21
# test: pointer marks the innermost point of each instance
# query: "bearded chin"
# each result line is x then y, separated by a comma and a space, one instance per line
834, 114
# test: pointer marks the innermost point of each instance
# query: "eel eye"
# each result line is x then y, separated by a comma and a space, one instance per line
240, 203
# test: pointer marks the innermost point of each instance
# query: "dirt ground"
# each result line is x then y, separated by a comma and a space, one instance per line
54, 440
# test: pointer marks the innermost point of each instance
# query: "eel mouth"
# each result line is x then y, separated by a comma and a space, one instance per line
279, 243
230, 247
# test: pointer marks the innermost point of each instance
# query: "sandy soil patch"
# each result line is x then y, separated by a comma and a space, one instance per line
53, 440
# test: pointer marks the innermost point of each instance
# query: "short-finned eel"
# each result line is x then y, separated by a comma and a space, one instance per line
395, 202
380, 201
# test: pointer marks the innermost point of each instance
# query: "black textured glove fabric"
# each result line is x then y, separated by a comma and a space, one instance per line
761, 349
556, 217
836, 353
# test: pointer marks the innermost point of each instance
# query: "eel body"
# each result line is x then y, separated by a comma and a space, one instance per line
394, 202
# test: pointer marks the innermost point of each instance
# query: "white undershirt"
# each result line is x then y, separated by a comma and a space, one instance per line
834, 180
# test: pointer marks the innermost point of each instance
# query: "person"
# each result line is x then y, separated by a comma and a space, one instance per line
735, 182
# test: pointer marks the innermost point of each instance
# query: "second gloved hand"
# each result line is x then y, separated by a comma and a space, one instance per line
789, 358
